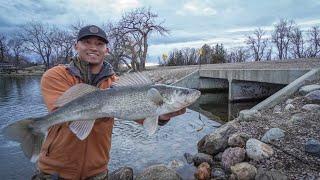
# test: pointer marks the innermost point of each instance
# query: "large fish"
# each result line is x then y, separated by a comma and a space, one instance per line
133, 97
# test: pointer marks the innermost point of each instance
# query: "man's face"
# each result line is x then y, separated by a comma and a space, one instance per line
91, 49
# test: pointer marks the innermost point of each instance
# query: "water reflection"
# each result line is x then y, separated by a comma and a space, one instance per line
216, 106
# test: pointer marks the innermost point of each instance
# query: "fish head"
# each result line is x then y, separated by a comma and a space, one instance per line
174, 98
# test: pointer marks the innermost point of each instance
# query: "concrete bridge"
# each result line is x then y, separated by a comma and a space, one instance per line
250, 80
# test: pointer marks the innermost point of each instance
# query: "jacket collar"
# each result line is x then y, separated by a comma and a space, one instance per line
106, 71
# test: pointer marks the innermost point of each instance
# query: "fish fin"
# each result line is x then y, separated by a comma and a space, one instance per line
131, 79
74, 92
155, 96
150, 124
82, 129
29, 138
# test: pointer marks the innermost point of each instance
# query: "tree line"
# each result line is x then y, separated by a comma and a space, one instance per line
286, 41
128, 40
128, 43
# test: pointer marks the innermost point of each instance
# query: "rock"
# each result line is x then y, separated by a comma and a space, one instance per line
249, 115
218, 174
199, 158
244, 171
174, 164
289, 107
272, 134
309, 88
203, 172
296, 119
258, 150
311, 107
270, 175
277, 109
232, 156
289, 101
312, 147
157, 172
187, 171
218, 156
189, 157
217, 141
238, 139
314, 96
124, 173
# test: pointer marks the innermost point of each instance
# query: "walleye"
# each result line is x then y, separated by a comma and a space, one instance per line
132, 97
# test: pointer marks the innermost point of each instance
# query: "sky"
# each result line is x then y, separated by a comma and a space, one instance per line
192, 23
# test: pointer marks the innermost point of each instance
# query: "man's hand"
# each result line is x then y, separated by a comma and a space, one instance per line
165, 118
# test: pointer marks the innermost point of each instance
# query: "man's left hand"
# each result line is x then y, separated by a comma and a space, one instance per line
164, 119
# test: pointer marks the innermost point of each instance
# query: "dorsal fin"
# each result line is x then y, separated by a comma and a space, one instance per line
74, 92
131, 79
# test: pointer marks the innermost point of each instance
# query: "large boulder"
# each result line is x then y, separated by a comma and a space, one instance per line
232, 156
249, 115
238, 139
258, 150
189, 157
123, 173
272, 134
297, 119
217, 141
158, 172
311, 107
199, 158
314, 96
309, 88
203, 171
244, 171
312, 147
218, 174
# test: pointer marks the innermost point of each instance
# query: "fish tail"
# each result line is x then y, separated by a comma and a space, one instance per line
28, 135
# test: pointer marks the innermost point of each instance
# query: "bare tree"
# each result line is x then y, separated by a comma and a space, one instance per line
236, 55
280, 37
314, 42
16, 45
136, 26
297, 43
38, 39
3, 47
257, 44
63, 42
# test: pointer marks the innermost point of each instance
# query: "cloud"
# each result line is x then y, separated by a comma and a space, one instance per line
197, 8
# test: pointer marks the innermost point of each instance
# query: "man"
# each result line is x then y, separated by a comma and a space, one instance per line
62, 154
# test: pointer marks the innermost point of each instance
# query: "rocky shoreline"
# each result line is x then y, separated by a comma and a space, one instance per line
281, 142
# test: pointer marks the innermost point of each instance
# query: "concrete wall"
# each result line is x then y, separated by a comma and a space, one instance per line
194, 81
278, 76
246, 90
242, 84
287, 91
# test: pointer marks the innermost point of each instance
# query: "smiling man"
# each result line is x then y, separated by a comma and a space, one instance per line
63, 155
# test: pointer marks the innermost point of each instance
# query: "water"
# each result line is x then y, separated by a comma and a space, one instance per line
21, 98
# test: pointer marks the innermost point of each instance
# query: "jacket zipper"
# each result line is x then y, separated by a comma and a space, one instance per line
84, 159
53, 139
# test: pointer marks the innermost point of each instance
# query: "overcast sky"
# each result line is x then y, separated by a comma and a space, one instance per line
191, 22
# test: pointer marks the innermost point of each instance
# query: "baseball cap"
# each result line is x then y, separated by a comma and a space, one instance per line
92, 30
